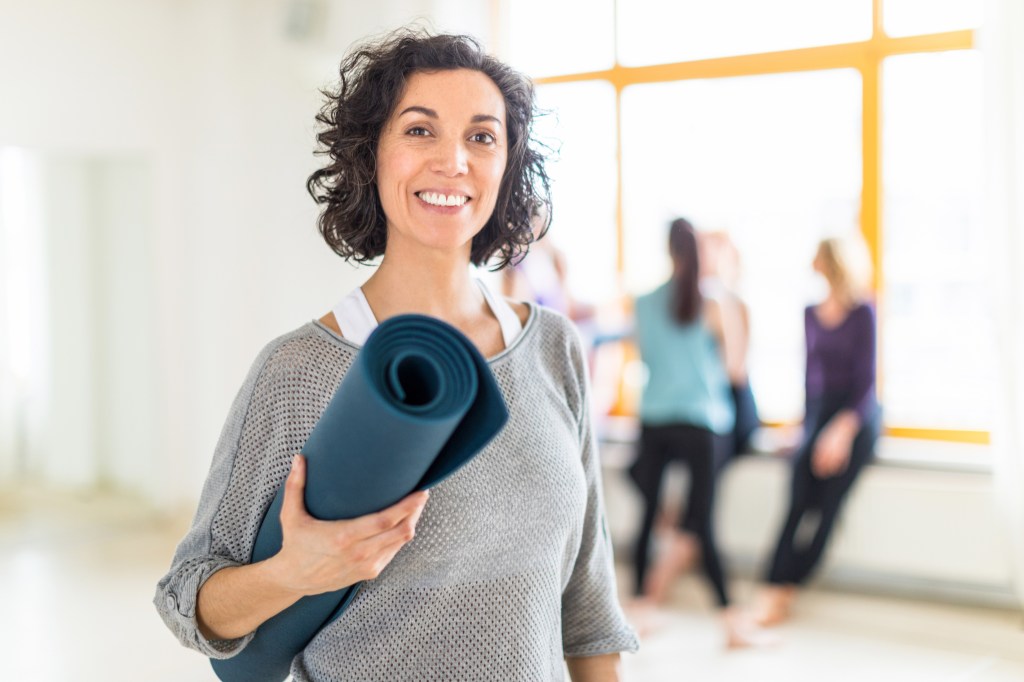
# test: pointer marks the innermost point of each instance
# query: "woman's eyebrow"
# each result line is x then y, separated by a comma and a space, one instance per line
430, 113
483, 118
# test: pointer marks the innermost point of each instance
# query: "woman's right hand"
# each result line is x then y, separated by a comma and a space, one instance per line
322, 556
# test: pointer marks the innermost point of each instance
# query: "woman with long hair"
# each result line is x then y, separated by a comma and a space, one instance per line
842, 419
687, 343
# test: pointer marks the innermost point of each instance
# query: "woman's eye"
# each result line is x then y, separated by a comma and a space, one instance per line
483, 138
418, 131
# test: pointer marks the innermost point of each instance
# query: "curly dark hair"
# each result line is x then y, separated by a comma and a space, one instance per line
372, 79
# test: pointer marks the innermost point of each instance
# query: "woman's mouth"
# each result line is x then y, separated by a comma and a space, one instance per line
439, 199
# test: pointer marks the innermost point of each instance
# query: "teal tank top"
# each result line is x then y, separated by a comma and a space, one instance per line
686, 378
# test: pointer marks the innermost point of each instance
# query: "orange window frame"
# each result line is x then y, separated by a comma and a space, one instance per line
865, 56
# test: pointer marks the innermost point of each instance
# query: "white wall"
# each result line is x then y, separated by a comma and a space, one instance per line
213, 100
908, 530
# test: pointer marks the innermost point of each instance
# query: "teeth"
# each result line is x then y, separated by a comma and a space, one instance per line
438, 199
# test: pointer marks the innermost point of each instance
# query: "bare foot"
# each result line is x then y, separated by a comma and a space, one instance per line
644, 615
774, 605
742, 632
677, 557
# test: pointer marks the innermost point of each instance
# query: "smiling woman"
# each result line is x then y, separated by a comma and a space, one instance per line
441, 160
510, 570
378, 81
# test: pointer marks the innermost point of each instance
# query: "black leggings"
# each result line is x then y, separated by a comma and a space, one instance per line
817, 501
696, 447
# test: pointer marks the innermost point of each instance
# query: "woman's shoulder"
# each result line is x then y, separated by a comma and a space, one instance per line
300, 349
864, 309
657, 293
864, 315
550, 321
551, 338
522, 310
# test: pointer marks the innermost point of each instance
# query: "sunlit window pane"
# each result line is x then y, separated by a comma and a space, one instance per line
582, 126
937, 324
916, 17
773, 159
550, 37
654, 31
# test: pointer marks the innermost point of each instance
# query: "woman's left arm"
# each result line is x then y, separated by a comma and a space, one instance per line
606, 668
594, 629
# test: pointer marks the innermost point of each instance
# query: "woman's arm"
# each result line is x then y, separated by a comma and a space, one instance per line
593, 625
835, 441
834, 444
725, 320
315, 557
605, 668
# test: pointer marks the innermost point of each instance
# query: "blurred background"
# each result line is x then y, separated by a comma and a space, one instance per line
155, 233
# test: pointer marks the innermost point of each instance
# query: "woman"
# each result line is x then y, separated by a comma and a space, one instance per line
687, 343
507, 569
719, 279
842, 419
719, 276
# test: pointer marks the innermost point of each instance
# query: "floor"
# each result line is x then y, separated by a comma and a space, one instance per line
77, 576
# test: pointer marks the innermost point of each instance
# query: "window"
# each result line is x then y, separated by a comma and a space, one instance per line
935, 254
784, 133
654, 31
22, 310
540, 45
773, 158
581, 129
917, 17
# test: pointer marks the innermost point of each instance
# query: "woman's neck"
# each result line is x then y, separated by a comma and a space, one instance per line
431, 284
838, 301
834, 309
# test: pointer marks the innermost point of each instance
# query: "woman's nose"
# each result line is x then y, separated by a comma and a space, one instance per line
451, 158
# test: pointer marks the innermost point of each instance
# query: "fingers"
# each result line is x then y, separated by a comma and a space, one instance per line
293, 506
380, 549
351, 531
386, 519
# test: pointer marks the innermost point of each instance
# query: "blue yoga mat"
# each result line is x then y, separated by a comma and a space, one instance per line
418, 403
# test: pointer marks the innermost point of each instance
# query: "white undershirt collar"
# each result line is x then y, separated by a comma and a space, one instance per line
356, 320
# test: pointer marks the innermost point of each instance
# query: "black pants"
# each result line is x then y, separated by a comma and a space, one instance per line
815, 501
747, 421
696, 447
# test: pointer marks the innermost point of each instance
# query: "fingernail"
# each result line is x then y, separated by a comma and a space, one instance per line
295, 461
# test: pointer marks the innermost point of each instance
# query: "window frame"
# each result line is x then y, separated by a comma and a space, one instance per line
867, 58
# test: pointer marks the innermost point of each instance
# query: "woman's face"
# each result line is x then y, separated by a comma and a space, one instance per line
441, 158
818, 264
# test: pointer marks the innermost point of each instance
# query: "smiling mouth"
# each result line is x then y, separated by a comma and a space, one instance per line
438, 199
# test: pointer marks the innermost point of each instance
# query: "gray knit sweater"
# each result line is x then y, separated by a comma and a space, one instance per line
511, 566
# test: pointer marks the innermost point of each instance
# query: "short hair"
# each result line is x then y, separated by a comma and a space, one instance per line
372, 80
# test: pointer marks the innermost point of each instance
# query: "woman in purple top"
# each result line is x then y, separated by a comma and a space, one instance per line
842, 420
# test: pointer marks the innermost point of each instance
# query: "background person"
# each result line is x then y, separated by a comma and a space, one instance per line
842, 420
686, 341
719, 280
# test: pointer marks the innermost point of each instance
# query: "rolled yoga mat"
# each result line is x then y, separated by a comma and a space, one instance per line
418, 402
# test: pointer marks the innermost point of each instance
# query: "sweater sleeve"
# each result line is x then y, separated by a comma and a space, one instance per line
862, 390
211, 545
592, 620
